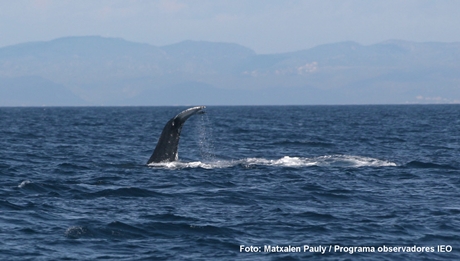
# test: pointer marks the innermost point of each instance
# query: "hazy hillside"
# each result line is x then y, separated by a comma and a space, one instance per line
34, 90
110, 71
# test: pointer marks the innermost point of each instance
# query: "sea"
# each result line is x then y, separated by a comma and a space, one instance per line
361, 182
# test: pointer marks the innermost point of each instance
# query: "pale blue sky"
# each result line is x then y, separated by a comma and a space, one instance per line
266, 26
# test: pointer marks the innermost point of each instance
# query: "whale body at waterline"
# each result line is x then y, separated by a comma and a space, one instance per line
166, 149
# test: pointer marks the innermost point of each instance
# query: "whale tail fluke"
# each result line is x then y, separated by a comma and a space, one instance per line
166, 149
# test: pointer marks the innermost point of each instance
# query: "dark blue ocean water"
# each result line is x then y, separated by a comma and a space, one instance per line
74, 184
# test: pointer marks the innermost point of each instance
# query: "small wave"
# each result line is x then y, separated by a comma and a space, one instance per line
319, 144
429, 165
72, 166
286, 161
120, 229
33, 187
24, 183
124, 192
76, 232
112, 230
5, 204
4, 166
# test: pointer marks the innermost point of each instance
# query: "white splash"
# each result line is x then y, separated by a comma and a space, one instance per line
286, 161
24, 183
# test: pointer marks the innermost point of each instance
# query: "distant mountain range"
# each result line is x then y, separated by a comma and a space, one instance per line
94, 70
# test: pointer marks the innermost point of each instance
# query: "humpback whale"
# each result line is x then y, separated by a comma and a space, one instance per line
166, 149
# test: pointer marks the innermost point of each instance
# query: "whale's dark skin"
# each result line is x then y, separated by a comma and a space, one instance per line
166, 149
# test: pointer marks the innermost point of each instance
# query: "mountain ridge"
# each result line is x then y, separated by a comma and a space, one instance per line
112, 71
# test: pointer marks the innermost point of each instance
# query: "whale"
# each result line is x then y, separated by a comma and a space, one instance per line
168, 143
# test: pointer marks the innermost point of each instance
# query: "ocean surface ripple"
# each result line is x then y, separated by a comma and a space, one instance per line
75, 184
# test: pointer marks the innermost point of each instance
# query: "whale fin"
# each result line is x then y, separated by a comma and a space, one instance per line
166, 149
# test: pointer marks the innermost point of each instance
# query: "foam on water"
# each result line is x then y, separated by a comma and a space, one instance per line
286, 161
